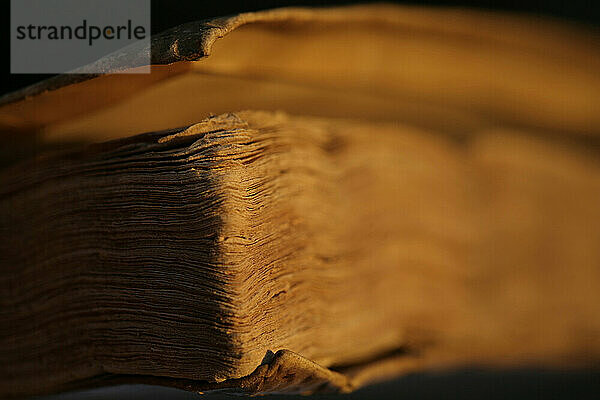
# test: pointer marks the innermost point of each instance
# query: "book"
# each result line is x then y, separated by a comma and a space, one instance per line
407, 189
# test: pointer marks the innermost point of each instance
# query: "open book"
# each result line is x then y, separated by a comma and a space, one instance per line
305, 200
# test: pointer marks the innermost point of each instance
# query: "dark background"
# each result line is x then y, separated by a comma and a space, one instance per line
169, 13
460, 384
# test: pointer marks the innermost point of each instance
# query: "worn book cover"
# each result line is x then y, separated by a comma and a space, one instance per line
305, 200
